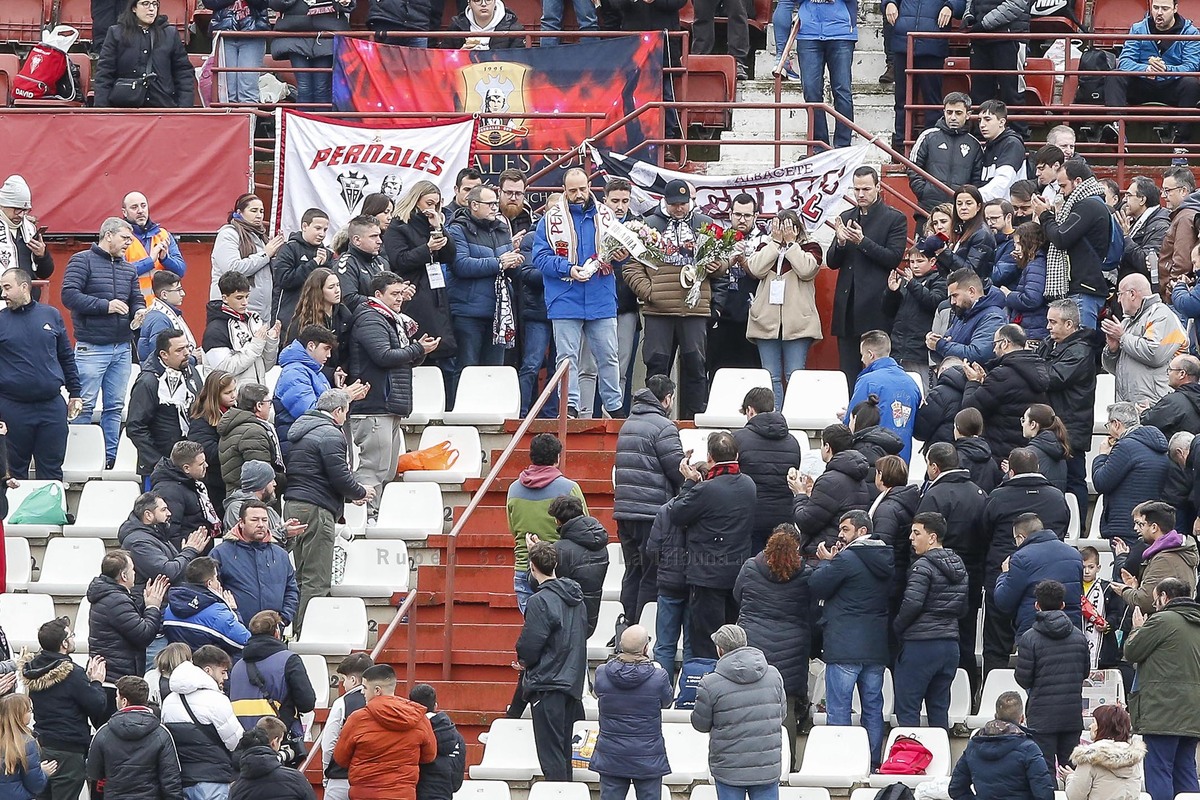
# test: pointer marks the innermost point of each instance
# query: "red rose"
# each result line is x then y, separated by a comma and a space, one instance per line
717, 231
739, 236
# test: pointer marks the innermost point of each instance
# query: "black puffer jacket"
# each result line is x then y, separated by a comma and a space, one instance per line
1072, 389
912, 307
1052, 458
382, 357
975, 456
766, 451
977, 253
935, 597
152, 425
666, 548
301, 16
583, 557
1148, 239
153, 553
297, 259
1052, 661
892, 523
553, 643
135, 757
961, 502
64, 701
647, 464
876, 442
1001, 15
122, 627
948, 155
775, 615
443, 776
317, 465
716, 527
1030, 493
407, 246
1016, 381
840, 488
403, 15
935, 417
205, 434
173, 78
1177, 411
182, 496
262, 777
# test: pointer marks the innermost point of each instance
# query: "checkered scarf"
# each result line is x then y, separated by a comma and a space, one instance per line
1058, 263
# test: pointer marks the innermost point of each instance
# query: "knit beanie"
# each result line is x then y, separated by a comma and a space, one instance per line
15, 193
256, 475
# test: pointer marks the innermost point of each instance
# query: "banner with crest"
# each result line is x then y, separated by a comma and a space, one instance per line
607, 78
320, 163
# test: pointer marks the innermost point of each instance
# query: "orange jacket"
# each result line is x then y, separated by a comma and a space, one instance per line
384, 745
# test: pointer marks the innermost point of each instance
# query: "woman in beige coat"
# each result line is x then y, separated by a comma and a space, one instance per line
783, 320
1110, 768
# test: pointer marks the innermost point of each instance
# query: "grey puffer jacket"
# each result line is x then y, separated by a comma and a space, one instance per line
647, 465
934, 599
740, 705
775, 615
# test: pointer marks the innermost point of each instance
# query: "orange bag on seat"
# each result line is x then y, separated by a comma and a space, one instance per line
440, 456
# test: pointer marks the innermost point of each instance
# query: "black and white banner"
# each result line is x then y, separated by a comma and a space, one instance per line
815, 188
334, 165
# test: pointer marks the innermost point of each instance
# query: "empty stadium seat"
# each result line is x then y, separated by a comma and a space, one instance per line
835, 756
125, 464
1074, 525
1106, 395
957, 77
1093, 538
598, 648
938, 743
707, 791
725, 396
616, 571
83, 625
559, 790
889, 702
1039, 88
917, 467
710, 79
103, 506
356, 517
508, 754
470, 454
429, 396
814, 397
318, 675
333, 626
271, 379
85, 453
960, 701
22, 20
1116, 16
18, 563
409, 511
687, 753
68, 566
998, 682
664, 793
374, 568
483, 790
919, 381
30, 531
23, 614
485, 396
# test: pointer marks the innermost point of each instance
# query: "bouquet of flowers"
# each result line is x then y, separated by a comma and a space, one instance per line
635, 237
714, 245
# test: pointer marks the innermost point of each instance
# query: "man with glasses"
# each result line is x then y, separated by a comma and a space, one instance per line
1131, 468
1179, 410
727, 342
1139, 348
512, 204
998, 216
1145, 224
153, 248
161, 399
1175, 257
21, 242
165, 312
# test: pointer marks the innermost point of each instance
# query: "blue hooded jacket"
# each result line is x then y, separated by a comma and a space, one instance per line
970, 334
595, 298
300, 383
1041, 557
899, 399
1178, 57
196, 616
835, 19
632, 696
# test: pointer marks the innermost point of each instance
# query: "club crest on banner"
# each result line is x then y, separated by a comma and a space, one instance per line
496, 87
354, 185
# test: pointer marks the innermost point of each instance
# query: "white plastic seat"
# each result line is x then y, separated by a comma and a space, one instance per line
1089, 461
938, 742
835, 756
23, 614
374, 568
125, 464
917, 473
1074, 525
470, 454
17, 496
85, 456
134, 371
429, 396
509, 753
318, 675
814, 397
484, 790
1093, 537
409, 511
960, 701
333, 626
687, 753
83, 625
485, 396
725, 396
103, 507
708, 791
559, 790
271, 379
801, 437
18, 563
356, 517
864, 794
69, 566
615, 573
1106, 395
889, 702
919, 381
598, 648
696, 440
998, 682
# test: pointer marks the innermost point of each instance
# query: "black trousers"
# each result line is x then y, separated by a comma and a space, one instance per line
554, 715
1057, 747
639, 584
104, 16
1002, 55
663, 337
708, 610
737, 36
850, 358
729, 347
927, 90
36, 430
999, 636
1131, 90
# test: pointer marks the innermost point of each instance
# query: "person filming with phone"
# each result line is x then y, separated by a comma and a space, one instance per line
21, 238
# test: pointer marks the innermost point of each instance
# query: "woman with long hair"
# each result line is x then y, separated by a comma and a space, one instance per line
775, 608
1027, 305
892, 514
25, 774
242, 246
974, 245
321, 304
165, 662
1110, 768
1049, 439
941, 222
216, 397
144, 43
379, 206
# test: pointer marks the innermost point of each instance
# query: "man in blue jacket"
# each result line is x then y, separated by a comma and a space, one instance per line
899, 395
977, 317
200, 611
1154, 61
255, 570
153, 248
1040, 556
301, 380
100, 288
36, 362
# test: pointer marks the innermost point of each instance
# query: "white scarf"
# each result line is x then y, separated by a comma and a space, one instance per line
173, 390
561, 234
8, 243
177, 320
484, 42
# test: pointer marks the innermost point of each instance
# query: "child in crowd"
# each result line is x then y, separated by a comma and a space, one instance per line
915, 290
974, 453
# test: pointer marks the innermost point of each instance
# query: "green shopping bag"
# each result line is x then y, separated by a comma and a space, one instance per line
43, 506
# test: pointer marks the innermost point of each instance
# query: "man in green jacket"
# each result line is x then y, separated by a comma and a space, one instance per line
1165, 647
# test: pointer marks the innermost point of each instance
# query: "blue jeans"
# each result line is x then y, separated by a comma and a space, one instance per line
1170, 765
840, 680
1089, 309
522, 589
924, 671
781, 20
764, 791
552, 14
672, 620
838, 56
157, 646
601, 337
614, 788
207, 791
475, 348
782, 357
243, 86
537, 343
104, 369
313, 87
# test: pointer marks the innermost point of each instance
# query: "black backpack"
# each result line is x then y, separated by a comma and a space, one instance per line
896, 791
1091, 87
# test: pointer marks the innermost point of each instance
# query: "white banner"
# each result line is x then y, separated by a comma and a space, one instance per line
815, 187
333, 165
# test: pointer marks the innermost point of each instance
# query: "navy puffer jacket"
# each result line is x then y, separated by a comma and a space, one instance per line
840, 488
1001, 763
1015, 382
478, 245
632, 695
766, 451
238, 15
891, 522
775, 615
647, 464
935, 417
1041, 557
934, 599
1132, 473
1052, 662
921, 16
93, 279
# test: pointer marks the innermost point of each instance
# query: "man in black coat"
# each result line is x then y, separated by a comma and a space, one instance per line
766, 452
646, 476
1070, 355
133, 755
951, 493
161, 399
843, 486
122, 625
582, 548
712, 509
870, 243
362, 261
1145, 224
145, 537
179, 481
1024, 491
1018, 379
1179, 409
935, 417
443, 776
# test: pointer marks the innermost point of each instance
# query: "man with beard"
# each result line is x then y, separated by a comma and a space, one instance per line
512, 204
727, 342
977, 317
947, 151
1020, 194
617, 195
258, 483
1071, 359
153, 247
998, 216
